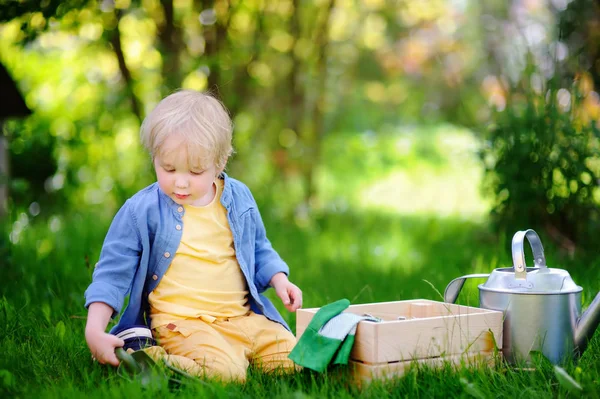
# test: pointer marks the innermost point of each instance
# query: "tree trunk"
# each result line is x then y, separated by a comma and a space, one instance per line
214, 36
115, 40
242, 81
321, 44
171, 43
296, 92
4, 175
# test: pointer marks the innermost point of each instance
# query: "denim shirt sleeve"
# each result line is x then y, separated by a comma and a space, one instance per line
119, 259
267, 260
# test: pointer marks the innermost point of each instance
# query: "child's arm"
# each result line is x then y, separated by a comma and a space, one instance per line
112, 277
289, 293
267, 262
101, 344
271, 270
119, 259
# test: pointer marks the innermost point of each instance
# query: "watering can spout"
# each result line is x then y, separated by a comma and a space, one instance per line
587, 324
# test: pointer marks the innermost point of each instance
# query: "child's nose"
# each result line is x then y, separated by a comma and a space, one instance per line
181, 182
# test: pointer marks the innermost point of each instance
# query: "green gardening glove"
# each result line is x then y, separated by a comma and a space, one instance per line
329, 335
314, 350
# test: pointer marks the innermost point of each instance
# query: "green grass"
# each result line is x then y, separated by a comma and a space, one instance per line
352, 249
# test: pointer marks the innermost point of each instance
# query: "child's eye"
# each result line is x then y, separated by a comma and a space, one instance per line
168, 170
197, 173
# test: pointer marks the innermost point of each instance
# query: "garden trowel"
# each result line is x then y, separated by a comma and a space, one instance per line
140, 365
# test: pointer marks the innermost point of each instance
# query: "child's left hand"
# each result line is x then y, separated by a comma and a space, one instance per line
289, 293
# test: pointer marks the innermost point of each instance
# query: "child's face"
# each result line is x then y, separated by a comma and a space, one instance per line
185, 184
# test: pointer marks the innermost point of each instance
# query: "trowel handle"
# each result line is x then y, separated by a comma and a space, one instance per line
518, 253
453, 289
130, 364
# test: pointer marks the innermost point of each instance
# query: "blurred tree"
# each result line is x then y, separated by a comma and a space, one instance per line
11, 106
37, 155
34, 14
542, 167
114, 38
579, 29
542, 154
241, 51
290, 72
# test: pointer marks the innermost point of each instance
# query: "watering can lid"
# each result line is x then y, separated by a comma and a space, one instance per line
535, 280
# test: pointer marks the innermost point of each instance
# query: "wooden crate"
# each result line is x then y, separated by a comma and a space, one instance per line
431, 333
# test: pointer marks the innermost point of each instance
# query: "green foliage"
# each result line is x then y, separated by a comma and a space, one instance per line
578, 30
32, 162
296, 72
37, 13
542, 166
378, 255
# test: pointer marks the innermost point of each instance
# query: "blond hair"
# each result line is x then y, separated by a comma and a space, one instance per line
199, 119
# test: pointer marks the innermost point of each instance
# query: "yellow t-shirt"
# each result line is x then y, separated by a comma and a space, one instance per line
204, 279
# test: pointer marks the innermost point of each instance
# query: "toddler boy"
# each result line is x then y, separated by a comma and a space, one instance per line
192, 253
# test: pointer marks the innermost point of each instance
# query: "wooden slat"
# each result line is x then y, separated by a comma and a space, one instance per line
430, 337
389, 311
364, 372
421, 310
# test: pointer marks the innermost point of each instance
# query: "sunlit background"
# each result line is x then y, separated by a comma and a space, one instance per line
392, 146
482, 110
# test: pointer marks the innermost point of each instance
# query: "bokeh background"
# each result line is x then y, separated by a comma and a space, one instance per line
332, 102
392, 145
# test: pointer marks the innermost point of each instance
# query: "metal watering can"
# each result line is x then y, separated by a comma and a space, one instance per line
541, 305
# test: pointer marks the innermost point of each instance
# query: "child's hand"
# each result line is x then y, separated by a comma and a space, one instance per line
289, 293
103, 345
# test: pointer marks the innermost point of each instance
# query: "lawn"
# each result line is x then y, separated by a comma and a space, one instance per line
401, 216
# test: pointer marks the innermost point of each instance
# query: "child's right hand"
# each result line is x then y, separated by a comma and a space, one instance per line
103, 345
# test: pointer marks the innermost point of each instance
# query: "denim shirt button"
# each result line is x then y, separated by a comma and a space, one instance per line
154, 277
167, 254
178, 227
180, 209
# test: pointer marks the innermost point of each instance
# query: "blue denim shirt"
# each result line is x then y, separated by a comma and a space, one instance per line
143, 238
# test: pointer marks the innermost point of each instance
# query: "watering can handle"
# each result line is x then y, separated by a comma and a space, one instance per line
453, 289
518, 253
